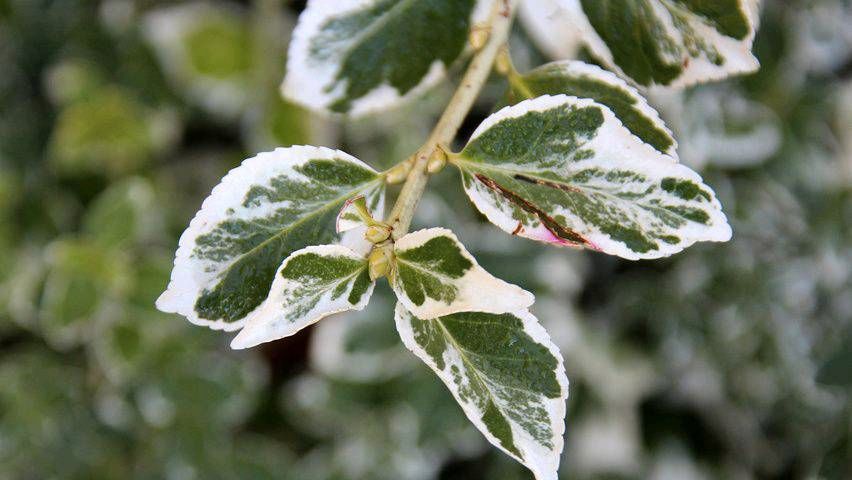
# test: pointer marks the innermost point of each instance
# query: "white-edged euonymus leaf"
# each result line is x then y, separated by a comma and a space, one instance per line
506, 374
311, 284
435, 276
264, 210
359, 56
565, 171
589, 81
672, 43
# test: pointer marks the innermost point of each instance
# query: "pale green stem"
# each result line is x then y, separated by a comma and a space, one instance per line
499, 26
516, 80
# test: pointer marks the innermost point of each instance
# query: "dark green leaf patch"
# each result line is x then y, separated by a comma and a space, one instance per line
538, 140
555, 79
423, 270
684, 189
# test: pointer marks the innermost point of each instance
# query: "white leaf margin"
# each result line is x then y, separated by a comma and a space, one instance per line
613, 140
268, 323
306, 80
738, 54
543, 464
189, 276
478, 290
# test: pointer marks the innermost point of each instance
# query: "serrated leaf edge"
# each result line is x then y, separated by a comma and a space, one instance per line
641, 151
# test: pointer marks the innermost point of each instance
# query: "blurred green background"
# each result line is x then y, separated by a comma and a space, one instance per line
117, 117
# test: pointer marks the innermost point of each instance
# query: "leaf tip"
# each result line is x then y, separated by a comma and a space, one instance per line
166, 302
527, 299
241, 342
724, 232
249, 337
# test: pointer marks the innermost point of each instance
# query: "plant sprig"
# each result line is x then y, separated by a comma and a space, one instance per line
577, 158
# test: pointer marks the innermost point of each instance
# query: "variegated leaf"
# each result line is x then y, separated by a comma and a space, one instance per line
589, 81
360, 56
311, 284
269, 207
565, 171
506, 374
673, 43
435, 276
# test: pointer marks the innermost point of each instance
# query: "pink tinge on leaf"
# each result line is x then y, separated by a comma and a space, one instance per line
544, 234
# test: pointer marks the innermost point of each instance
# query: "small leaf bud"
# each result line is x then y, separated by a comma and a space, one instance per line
479, 36
437, 161
380, 261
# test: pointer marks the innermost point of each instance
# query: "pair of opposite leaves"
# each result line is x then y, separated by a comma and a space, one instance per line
557, 169
654, 43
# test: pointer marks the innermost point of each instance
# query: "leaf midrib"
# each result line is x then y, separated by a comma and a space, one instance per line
495, 399
475, 372
583, 188
432, 273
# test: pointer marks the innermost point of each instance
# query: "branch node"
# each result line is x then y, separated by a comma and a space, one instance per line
479, 36
398, 173
437, 161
